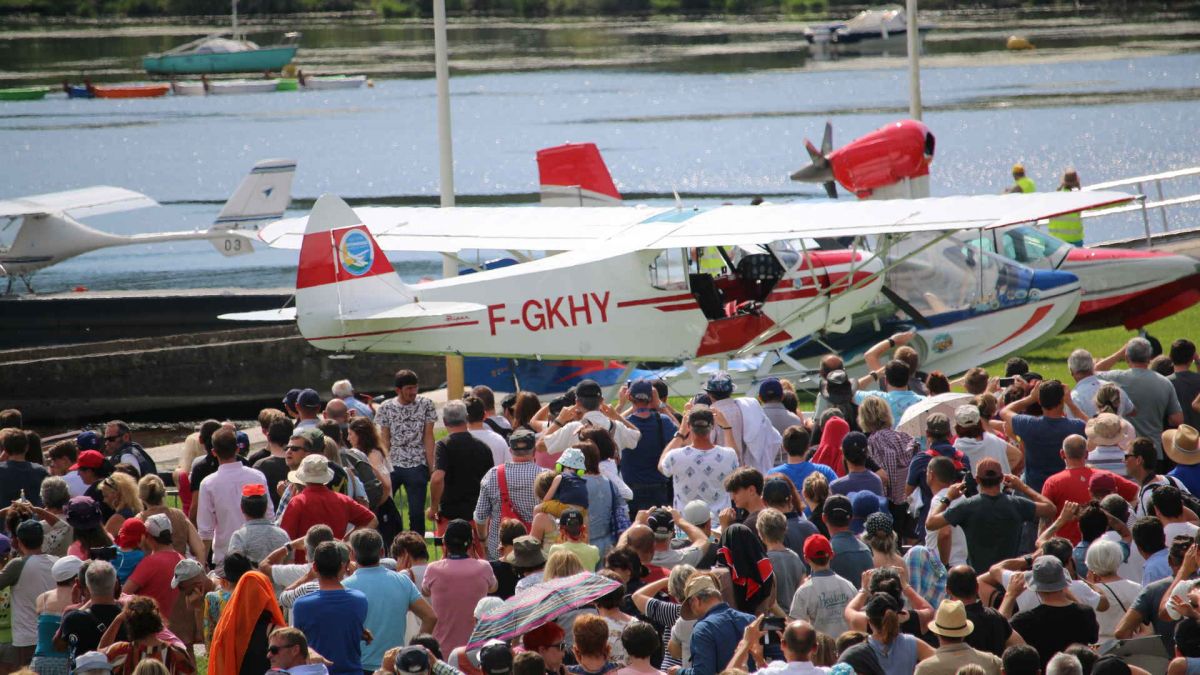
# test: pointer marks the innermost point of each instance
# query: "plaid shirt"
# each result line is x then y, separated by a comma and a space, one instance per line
926, 574
519, 476
893, 452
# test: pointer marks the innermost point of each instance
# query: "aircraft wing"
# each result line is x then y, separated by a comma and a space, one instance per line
81, 203
571, 228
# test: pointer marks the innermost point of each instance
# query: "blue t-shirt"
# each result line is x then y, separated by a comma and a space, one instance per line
1189, 475
898, 400
333, 623
387, 614
798, 472
1043, 438
126, 562
639, 464
572, 490
855, 481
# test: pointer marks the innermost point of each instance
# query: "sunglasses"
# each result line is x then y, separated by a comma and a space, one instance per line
275, 649
296, 448
1129, 456
112, 439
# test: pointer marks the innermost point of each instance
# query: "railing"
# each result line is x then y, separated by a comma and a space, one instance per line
1144, 205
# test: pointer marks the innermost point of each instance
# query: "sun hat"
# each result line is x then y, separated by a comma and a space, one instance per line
1182, 445
83, 513
66, 568
527, 553
314, 470
131, 533
951, 620
1048, 575
572, 458
1106, 429
486, 605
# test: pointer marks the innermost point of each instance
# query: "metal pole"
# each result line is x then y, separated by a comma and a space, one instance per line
441, 58
913, 36
234, 19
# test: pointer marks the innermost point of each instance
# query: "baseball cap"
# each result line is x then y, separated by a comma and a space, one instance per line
495, 658
696, 584
157, 524
522, 440
937, 424
989, 467
66, 568
864, 504
854, 447
588, 389
412, 660
91, 661
184, 570
719, 383
458, 531
289, 399
88, 440
88, 459
571, 520
1102, 484
29, 526
243, 442
838, 510
818, 549
1112, 664
254, 490
770, 388
966, 415
641, 390
83, 513
662, 523
131, 532
837, 386
1048, 575
697, 513
776, 490
309, 398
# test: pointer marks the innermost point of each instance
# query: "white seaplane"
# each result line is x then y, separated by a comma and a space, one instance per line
622, 285
43, 230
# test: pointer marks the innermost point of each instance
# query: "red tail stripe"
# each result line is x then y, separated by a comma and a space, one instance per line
319, 263
394, 330
1039, 314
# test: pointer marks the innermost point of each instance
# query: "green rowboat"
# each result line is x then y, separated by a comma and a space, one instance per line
23, 93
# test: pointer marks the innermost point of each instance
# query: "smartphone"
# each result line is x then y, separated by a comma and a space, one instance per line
1007, 381
772, 627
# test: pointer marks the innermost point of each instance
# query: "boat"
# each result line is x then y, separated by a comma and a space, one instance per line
23, 93
221, 87
288, 84
320, 82
217, 53
78, 90
189, 88
879, 24
136, 90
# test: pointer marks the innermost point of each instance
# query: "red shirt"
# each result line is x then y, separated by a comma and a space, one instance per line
318, 505
1071, 485
152, 577
655, 573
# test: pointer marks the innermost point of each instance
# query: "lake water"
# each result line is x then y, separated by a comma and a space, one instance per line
714, 111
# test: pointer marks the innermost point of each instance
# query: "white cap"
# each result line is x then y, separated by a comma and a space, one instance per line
65, 568
157, 524
92, 661
697, 512
966, 415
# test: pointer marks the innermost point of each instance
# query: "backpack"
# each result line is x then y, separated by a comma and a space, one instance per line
1190, 500
495, 426
146, 465
357, 461
960, 468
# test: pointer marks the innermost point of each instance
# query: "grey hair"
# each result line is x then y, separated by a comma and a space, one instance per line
101, 578
678, 580
1080, 361
1104, 557
342, 389
455, 413
55, 493
1139, 351
1064, 664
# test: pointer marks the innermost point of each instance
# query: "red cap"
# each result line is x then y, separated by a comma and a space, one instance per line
131, 533
1103, 484
254, 490
546, 635
817, 548
88, 459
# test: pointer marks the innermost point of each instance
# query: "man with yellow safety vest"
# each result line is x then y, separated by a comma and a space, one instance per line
1068, 226
1021, 184
708, 260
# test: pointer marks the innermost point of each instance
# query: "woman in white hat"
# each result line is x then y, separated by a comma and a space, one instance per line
1109, 438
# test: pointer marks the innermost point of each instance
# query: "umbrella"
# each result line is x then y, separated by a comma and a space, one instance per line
913, 421
538, 605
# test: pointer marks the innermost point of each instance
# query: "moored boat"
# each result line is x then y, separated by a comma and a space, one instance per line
885, 24
320, 82
137, 90
189, 88
221, 87
287, 84
23, 93
216, 54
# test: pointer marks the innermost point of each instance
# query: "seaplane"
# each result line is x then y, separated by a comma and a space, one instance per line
622, 283
38, 231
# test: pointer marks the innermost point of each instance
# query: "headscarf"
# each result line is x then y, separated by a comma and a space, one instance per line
829, 452
749, 567
253, 596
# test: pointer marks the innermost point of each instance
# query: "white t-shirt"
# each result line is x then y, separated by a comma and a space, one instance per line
990, 445
75, 484
1132, 567
496, 443
958, 540
700, 474
1173, 530
822, 600
1029, 599
1121, 595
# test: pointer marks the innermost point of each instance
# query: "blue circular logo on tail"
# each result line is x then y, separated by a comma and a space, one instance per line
355, 253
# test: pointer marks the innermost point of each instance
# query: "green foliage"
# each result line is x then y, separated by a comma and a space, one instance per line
395, 9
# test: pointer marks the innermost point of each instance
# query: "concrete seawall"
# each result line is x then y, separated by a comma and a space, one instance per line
180, 374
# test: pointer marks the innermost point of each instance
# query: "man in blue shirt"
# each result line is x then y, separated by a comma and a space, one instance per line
1043, 436
851, 557
392, 597
718, 631
899, 397
1151, 542
338, 640
639, 464
795, 442
857, 478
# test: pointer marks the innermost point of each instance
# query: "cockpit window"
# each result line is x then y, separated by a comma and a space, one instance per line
1026, 244
954, 275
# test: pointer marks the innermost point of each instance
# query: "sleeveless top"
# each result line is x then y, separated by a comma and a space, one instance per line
898, 658
47, 626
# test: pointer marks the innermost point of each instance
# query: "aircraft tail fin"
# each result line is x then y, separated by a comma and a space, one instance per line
262, 196
574, 174
343, 273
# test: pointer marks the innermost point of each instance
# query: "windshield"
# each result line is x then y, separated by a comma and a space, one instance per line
952, 276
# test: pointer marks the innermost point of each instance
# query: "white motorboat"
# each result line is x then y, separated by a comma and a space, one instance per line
887, 23
221, 87
322, 82
192, 88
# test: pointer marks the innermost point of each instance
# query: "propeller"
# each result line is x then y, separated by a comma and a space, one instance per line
819, 171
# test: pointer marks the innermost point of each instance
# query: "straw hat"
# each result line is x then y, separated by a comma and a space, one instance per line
1181, 445
314, 469
951, 620
1106, 430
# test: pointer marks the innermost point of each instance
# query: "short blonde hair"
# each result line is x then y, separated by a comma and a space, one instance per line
771, 525
562, 564
874, 415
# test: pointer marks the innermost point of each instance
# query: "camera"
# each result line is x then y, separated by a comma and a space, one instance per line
108, 553
772, 627
567, 399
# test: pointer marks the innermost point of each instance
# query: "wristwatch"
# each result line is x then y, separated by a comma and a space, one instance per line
891, 342
944, 499
1028, 562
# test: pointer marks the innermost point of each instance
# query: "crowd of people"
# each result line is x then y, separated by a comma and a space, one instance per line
1028, 526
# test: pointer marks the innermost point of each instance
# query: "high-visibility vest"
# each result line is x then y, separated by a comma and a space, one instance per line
711, 261
1068, 226
1026, 185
